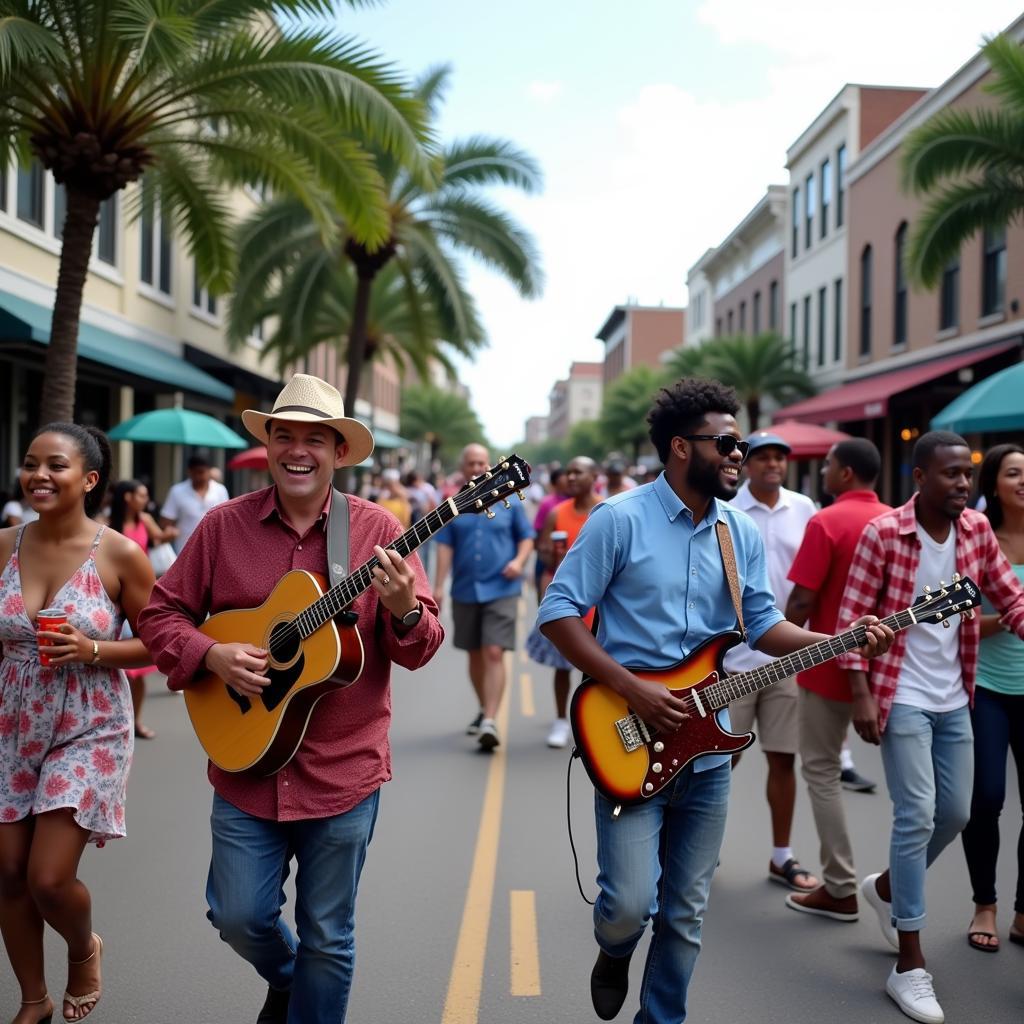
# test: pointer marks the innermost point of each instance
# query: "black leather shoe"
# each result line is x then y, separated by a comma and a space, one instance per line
609, 982
275, 1008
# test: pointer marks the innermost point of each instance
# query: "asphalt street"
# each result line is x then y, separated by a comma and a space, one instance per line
468, 910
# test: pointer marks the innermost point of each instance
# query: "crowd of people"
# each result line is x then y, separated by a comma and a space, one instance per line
632, 570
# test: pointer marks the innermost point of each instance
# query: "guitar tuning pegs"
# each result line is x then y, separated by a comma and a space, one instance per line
969, 613
945, 623
489, 513
942, 584
522, 497
956, 577
507, 503
927, 590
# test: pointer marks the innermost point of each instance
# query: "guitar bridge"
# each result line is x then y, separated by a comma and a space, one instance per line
632, 733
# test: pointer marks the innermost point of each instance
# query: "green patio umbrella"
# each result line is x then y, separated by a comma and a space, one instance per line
992, 405
178, 426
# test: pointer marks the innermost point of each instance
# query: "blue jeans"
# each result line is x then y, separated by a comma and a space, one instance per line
656, 861
928, 758
245, 893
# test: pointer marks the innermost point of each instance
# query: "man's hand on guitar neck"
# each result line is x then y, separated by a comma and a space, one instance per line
241, 666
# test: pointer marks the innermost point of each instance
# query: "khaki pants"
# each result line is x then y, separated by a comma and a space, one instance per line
823, 725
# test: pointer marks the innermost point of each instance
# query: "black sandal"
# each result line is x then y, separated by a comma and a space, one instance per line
788, 874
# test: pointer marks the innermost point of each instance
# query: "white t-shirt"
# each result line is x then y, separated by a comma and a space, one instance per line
186, 507
931, 677
26, 513
782, 528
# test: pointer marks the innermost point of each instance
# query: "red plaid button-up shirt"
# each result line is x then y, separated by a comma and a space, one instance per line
881, 582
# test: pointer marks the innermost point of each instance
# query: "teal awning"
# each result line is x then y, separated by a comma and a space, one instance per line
994, 405
21, 320
385, 439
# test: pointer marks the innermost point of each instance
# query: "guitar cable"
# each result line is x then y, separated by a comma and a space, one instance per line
568, 822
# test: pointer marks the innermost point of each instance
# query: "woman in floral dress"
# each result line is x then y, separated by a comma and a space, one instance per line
66, 729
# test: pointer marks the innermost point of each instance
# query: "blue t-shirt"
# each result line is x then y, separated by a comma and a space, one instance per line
658, 581
481, 548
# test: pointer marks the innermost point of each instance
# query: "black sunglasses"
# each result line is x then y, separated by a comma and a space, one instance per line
725, 444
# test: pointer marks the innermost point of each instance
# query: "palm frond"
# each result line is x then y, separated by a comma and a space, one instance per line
482, 161
1007, 60
22, 43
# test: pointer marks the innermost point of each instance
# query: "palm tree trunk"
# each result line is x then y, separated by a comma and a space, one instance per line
356, 355
61, 369
754, 412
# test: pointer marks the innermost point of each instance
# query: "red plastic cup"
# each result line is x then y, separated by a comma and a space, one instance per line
48, 621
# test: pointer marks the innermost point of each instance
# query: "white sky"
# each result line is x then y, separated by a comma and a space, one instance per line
658, 124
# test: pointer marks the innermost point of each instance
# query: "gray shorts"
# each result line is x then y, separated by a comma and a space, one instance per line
481, 625
777, 713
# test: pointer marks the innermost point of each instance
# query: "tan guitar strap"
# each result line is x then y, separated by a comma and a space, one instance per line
731, 574
337, 538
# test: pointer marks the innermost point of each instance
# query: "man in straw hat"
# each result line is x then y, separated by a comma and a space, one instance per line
321, 807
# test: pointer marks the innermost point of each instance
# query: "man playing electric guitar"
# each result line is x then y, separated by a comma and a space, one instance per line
649, 559
321, 807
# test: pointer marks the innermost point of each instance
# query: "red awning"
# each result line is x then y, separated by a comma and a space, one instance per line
807, 440
868, 399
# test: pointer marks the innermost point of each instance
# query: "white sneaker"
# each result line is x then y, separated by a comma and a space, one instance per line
913, 993
487, 737
869, 891
561, 733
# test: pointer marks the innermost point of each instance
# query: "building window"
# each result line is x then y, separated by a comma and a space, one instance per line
840, 185
899, 320
773, 306
60, 209
155, 234
826, 196
993, 274
757, 314
809, 210
949, 296
796, 221
728, 323
792, 327
822, 300
718, 327
837, 320
3, 188
807, 332
743, 317
865, 301
30, 193
201, 298
106, 233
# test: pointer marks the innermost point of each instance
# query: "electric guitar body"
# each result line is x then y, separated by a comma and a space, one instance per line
262, 733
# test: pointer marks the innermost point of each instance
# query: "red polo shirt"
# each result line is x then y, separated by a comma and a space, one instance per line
822, 564
238, 553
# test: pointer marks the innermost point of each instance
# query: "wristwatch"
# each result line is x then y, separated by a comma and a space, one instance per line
410, 618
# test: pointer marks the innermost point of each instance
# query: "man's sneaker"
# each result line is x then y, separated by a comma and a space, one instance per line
560, 733
275, 1007
487, 736
473, 729
852, 780
822, 903
609, 983
869, 890
913, 993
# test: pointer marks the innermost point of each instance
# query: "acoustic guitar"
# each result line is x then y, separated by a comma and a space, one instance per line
310, 653
630, 761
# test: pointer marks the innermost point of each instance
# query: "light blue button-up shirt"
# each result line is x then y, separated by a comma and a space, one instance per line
658, 581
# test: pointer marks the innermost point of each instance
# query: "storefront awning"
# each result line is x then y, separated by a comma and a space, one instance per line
21, 320
868, 399
385, 439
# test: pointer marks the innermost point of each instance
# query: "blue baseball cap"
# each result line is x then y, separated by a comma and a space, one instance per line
766, 439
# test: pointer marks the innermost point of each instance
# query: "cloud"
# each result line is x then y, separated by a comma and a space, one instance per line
544, 92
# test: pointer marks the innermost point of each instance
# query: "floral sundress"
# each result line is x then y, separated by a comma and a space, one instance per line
66, 736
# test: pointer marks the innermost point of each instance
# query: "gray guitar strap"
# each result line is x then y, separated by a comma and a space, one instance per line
337, 538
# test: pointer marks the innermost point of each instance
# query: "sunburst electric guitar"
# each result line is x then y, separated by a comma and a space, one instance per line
629, 761
310, 654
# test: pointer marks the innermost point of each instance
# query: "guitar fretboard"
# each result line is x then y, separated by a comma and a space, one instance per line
732, 688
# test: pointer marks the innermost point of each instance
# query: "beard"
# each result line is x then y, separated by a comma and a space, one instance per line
704, 477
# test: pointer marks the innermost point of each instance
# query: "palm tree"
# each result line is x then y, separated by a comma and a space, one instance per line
688, 361
197, 96
626, 404
444, 419
758, 368
970, 164
281, 250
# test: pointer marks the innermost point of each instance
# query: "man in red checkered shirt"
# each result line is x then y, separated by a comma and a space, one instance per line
914, 699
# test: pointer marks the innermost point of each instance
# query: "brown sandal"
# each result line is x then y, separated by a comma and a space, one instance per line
93, 998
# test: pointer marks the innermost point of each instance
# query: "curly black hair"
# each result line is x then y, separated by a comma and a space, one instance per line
681, 409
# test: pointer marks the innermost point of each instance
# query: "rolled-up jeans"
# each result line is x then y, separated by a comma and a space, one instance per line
929, 768
245, 893
656, 860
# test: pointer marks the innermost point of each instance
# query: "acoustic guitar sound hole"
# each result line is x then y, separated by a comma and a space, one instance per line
284, 642
285, 645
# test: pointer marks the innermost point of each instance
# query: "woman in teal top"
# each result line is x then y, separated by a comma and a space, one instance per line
998, 712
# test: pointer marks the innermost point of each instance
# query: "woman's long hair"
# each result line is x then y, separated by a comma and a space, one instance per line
987, 478
117, 504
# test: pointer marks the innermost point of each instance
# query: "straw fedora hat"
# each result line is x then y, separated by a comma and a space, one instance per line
308, 399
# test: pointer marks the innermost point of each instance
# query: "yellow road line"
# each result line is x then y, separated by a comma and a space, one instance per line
525, 954
462, 1003
526, 707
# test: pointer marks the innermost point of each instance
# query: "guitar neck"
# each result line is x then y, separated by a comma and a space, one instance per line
340, 596
731, 688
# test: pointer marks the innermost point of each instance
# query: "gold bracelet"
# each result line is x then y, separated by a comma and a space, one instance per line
95, 653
